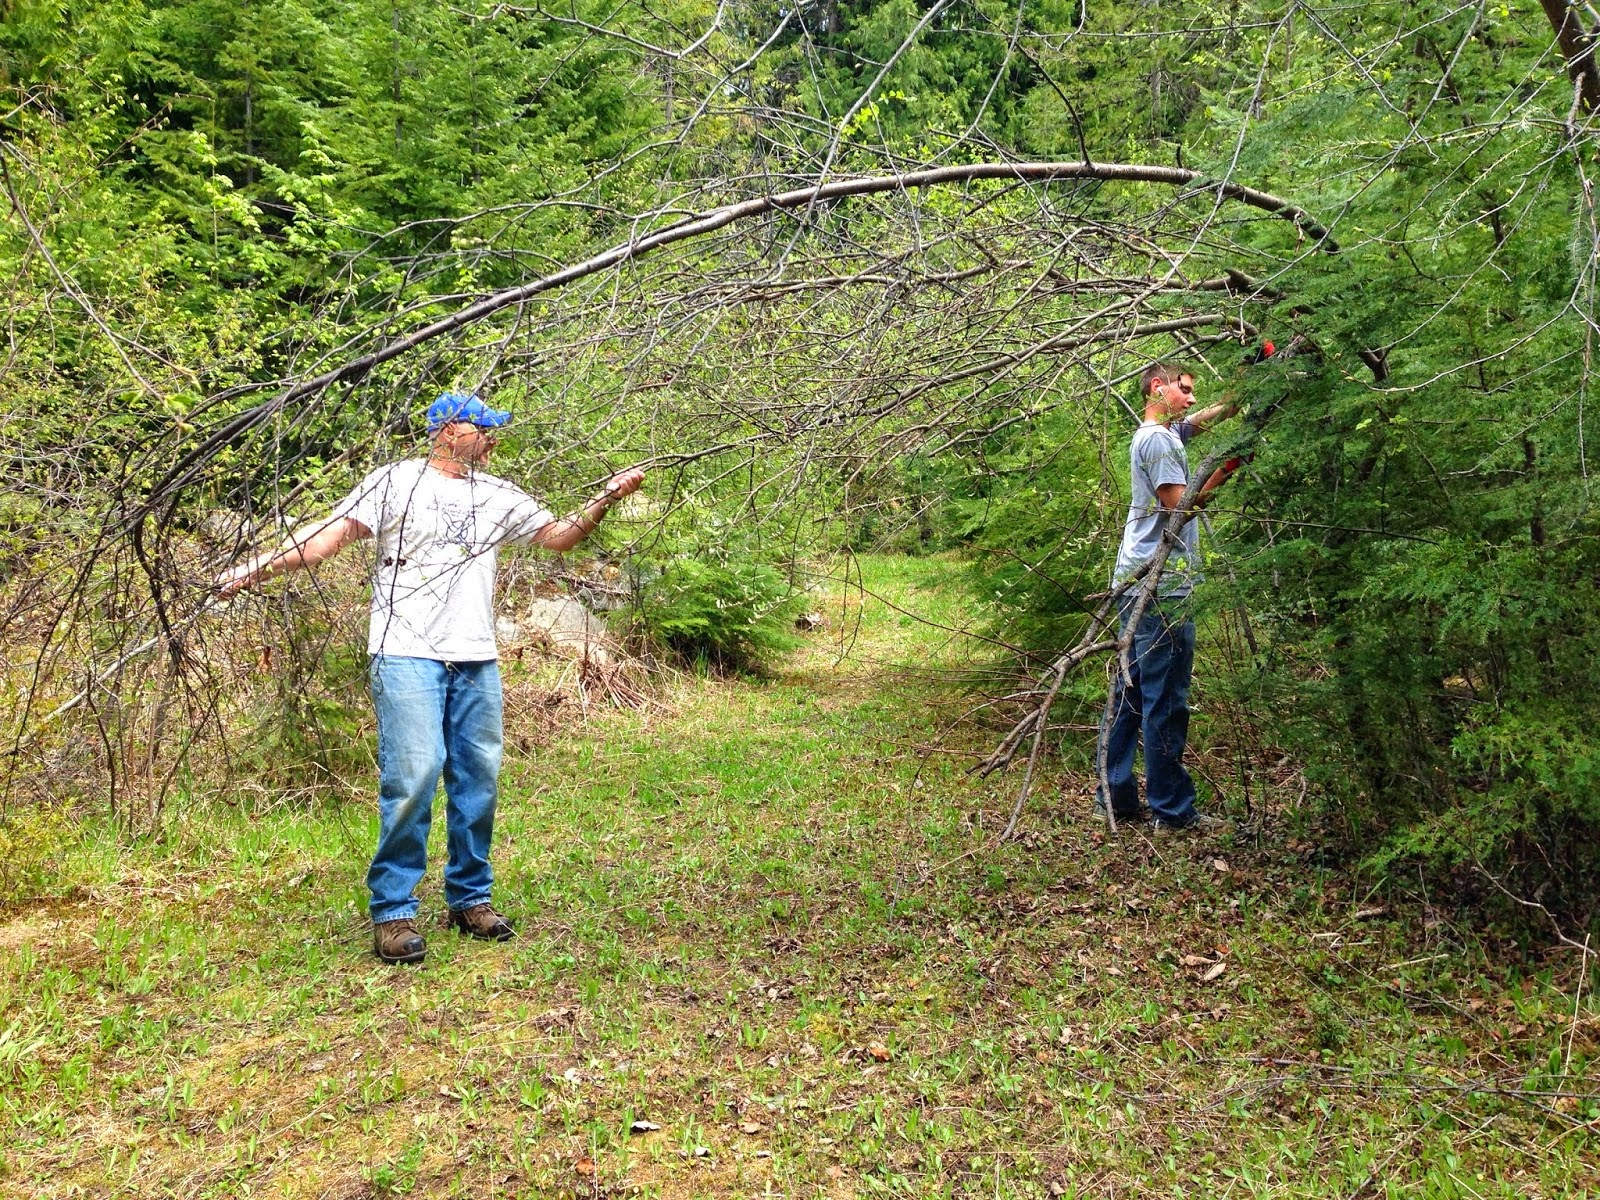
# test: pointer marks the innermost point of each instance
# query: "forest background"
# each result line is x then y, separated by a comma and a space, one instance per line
245, 243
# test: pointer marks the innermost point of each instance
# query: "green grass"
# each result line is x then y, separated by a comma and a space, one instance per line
763, 920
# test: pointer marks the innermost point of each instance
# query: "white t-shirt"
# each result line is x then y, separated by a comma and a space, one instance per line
433, 570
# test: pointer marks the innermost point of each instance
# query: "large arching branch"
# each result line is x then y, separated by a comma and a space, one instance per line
192, 462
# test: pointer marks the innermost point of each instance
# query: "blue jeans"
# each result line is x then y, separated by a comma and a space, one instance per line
433, 718
1154, 700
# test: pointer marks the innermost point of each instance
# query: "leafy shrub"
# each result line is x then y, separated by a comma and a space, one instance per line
1035, 514
306, 719
726, 608
32, 841
1037, 517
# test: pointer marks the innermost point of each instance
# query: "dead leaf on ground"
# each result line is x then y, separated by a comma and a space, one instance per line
1219, 864
556, 1018
1214, 972
879, 1052
1195, 960
749, 1127
586, 1167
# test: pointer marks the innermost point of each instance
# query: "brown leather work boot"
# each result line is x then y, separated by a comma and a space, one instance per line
398, 941
481, 921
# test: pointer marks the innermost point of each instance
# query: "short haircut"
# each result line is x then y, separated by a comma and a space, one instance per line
1164, 371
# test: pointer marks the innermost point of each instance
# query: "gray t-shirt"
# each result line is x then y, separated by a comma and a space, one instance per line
1158, 458
433, 571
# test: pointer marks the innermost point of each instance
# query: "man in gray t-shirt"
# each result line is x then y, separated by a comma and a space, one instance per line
1159, 460
1152, 704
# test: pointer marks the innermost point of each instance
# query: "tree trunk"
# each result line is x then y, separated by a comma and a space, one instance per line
1577, 47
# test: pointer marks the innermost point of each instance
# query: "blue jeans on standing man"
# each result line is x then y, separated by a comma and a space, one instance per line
434, 717
1155, 701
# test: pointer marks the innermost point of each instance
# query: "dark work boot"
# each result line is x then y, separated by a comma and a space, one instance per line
398, 941
481, 921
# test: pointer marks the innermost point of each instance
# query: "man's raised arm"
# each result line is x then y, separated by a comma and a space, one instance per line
1201, 421
569, 531
303, 548
1208, 417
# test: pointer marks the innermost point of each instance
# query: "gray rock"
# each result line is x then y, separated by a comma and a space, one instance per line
569, 627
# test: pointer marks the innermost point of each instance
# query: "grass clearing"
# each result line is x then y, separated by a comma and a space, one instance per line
763, 924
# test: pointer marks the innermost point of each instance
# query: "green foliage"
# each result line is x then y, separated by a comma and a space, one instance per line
32, 844
1037, 514
727, 607
306, 732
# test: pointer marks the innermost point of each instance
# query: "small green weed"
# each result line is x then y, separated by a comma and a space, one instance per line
1328, 1028
398, 1176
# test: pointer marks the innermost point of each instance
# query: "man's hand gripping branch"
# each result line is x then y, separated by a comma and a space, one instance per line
569, 531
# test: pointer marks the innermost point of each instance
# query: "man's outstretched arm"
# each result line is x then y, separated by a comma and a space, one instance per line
303, 548
569, 531
1208, 417
1201, 421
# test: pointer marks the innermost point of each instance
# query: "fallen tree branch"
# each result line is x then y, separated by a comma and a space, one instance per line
189, 466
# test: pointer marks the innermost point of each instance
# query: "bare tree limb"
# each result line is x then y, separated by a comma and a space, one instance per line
186, 469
